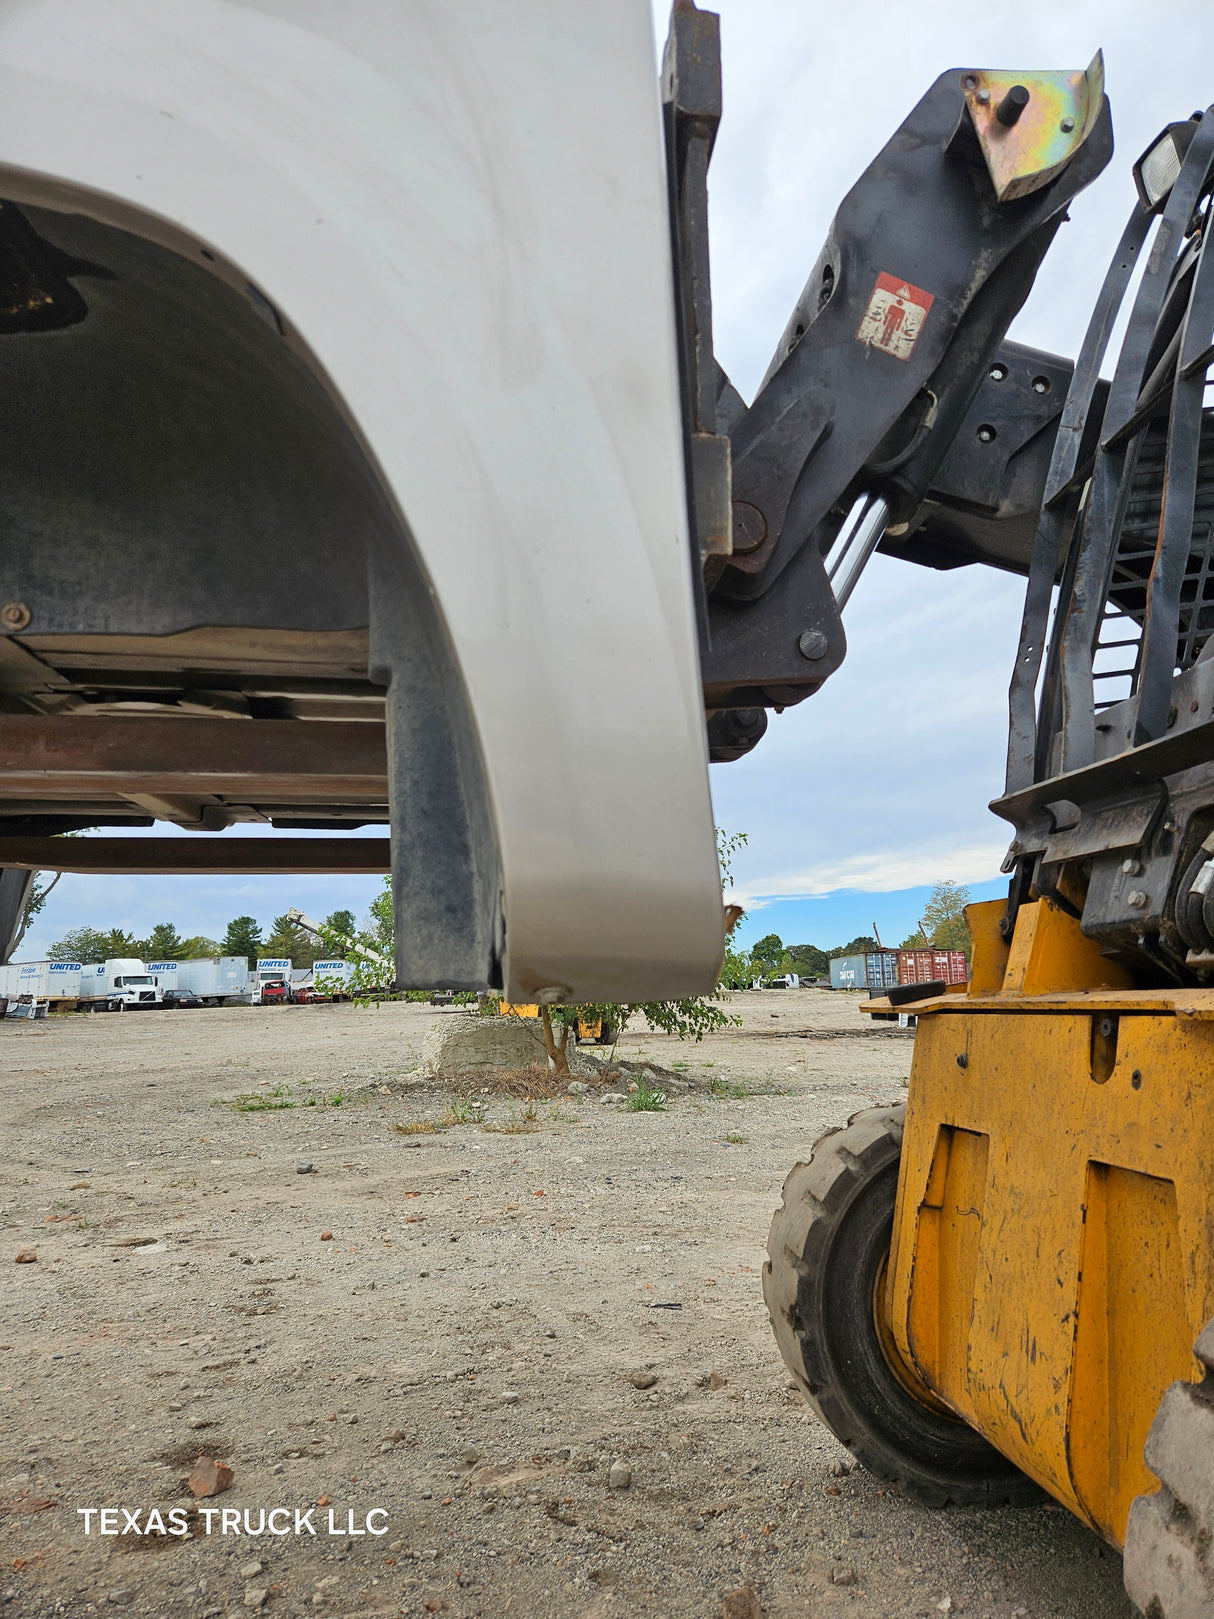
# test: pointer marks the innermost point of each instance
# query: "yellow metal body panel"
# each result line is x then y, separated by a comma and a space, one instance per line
517, 1009
1053, 1252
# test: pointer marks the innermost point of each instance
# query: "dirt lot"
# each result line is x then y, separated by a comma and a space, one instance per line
457, 1355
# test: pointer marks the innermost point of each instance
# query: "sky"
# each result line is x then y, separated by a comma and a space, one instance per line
862, 797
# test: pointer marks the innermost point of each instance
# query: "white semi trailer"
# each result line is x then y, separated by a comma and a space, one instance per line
214, 979
41, 980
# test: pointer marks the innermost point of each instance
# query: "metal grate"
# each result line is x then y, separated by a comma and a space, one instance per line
1118, 643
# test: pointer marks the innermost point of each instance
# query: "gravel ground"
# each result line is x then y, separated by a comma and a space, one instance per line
458, 1333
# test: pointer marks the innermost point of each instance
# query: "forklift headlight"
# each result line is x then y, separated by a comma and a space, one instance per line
1156, 170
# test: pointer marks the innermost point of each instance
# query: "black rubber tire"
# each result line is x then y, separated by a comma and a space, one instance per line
1169, 1542
829, 1241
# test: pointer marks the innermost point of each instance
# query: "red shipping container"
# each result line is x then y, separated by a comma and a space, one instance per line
927, 966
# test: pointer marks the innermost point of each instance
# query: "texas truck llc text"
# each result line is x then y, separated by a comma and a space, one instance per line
232, 1521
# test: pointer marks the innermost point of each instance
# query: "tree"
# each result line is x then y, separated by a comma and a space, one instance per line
768, 953
737, 969
857, 947
243, 938
85, 945
944, 917
34, 901
370, 949
808, 960
288, 939
162, 944
380, 926
341, 922
728, 845
690, 1019
199, 946
915, 941
120, 943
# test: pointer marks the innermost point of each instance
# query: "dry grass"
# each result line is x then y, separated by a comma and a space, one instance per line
416, 1127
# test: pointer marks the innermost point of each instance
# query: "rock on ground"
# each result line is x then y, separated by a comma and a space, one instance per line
455, 1043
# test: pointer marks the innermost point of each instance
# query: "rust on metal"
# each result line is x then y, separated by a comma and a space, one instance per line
197, 856
65, 754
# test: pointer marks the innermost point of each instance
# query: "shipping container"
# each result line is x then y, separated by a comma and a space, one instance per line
882, 970
928, 966
44, 980
849, 972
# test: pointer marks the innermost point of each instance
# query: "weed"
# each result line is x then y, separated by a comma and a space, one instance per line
518, 1124
726, 1087
416, 1127
735, 1140
337, 1098
61, 1203
258, 1102
645, 1099
82, 1224
460, 1111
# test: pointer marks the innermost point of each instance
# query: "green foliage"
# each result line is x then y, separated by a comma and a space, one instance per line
90, 946
768, 952
807, 960
162, 944
737, 969
379, 929
857, 947
690, 1019
916, 941
288, 939
243, 938
86, 945
645, 1099
728, 845
363, 949
944, 918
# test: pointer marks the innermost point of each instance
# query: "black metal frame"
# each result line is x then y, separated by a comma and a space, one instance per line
838, 421
1112, 797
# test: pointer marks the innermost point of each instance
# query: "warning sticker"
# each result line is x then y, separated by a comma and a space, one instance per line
894, 317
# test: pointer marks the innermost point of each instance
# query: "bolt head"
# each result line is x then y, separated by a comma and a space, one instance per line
1067, 125
1130, 867
812, 644
1136, 898
14, 616
983, 97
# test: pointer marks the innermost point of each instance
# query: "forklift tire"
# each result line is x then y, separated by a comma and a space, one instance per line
828, 1249
1169, 1566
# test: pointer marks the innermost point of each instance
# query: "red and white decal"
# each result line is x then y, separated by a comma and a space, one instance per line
894, 317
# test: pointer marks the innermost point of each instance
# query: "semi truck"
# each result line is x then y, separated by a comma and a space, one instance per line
269, 984
123, 983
